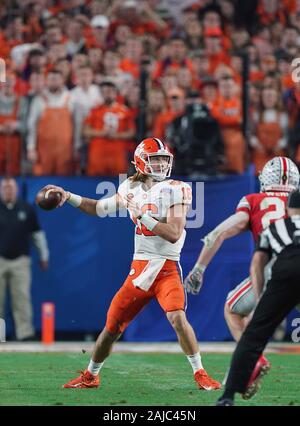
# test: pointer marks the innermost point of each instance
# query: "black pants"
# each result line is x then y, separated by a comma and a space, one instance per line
281, 295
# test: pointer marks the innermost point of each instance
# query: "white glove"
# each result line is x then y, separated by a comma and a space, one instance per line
194, 280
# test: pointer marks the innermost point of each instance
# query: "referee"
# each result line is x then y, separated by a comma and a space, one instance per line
18, 226
281, 238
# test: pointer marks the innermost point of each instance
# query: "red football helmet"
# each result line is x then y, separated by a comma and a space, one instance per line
153, 158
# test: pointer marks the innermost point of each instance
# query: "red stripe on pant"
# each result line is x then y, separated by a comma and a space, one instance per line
239, 293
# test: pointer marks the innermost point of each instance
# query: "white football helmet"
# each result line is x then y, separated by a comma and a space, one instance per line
279, 174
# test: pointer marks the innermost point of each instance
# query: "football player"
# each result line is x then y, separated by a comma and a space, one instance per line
254, 212
158, 206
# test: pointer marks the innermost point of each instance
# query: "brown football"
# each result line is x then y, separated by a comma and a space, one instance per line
48, 199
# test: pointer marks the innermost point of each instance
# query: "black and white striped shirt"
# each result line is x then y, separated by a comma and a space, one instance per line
279, 235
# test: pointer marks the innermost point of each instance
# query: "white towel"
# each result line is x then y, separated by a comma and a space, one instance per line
147, 277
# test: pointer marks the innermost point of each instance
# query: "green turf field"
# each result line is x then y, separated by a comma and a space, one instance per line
134, 379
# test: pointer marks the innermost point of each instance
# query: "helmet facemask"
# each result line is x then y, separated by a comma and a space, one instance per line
157, 170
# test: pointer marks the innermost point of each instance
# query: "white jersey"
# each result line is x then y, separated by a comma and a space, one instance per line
155, 202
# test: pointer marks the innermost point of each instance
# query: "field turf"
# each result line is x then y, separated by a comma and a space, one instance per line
134, 379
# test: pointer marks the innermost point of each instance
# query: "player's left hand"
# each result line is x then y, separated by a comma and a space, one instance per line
133, 207
194, 280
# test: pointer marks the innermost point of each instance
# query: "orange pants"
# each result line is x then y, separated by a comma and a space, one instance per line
10, 155
167, 289
107, 158
234, 145
53, 161
54, 141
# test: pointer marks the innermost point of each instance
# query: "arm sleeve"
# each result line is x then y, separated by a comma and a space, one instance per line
34, 115
78, 120
124, 188
40, 242
244, 205
181, 193
22, 115
38, 236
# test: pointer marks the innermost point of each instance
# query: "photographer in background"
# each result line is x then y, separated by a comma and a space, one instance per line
18, 224
196, 140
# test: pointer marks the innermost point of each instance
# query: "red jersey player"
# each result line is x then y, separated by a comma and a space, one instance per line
158, 206
254, 212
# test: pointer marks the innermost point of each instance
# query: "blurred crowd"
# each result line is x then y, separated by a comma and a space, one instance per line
72, 101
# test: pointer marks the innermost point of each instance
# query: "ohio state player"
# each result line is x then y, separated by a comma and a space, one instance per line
158, 207
254, 212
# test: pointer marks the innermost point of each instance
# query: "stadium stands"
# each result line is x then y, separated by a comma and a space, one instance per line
182, 46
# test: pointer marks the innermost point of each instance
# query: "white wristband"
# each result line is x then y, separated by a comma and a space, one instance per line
149, 222
106, 206
75, 200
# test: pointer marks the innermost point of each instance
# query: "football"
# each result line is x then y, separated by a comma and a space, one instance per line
48, 199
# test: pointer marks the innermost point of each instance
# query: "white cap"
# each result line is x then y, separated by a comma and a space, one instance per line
100, 21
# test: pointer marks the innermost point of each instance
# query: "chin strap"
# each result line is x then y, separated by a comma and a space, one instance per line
158, 179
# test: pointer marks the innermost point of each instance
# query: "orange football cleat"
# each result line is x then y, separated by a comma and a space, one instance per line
205, 382
85, 380
262, 368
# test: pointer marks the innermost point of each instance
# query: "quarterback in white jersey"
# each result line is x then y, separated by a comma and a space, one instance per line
156, 202
158, 206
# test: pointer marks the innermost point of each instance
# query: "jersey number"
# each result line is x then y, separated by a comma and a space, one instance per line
142, 230
273, 215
